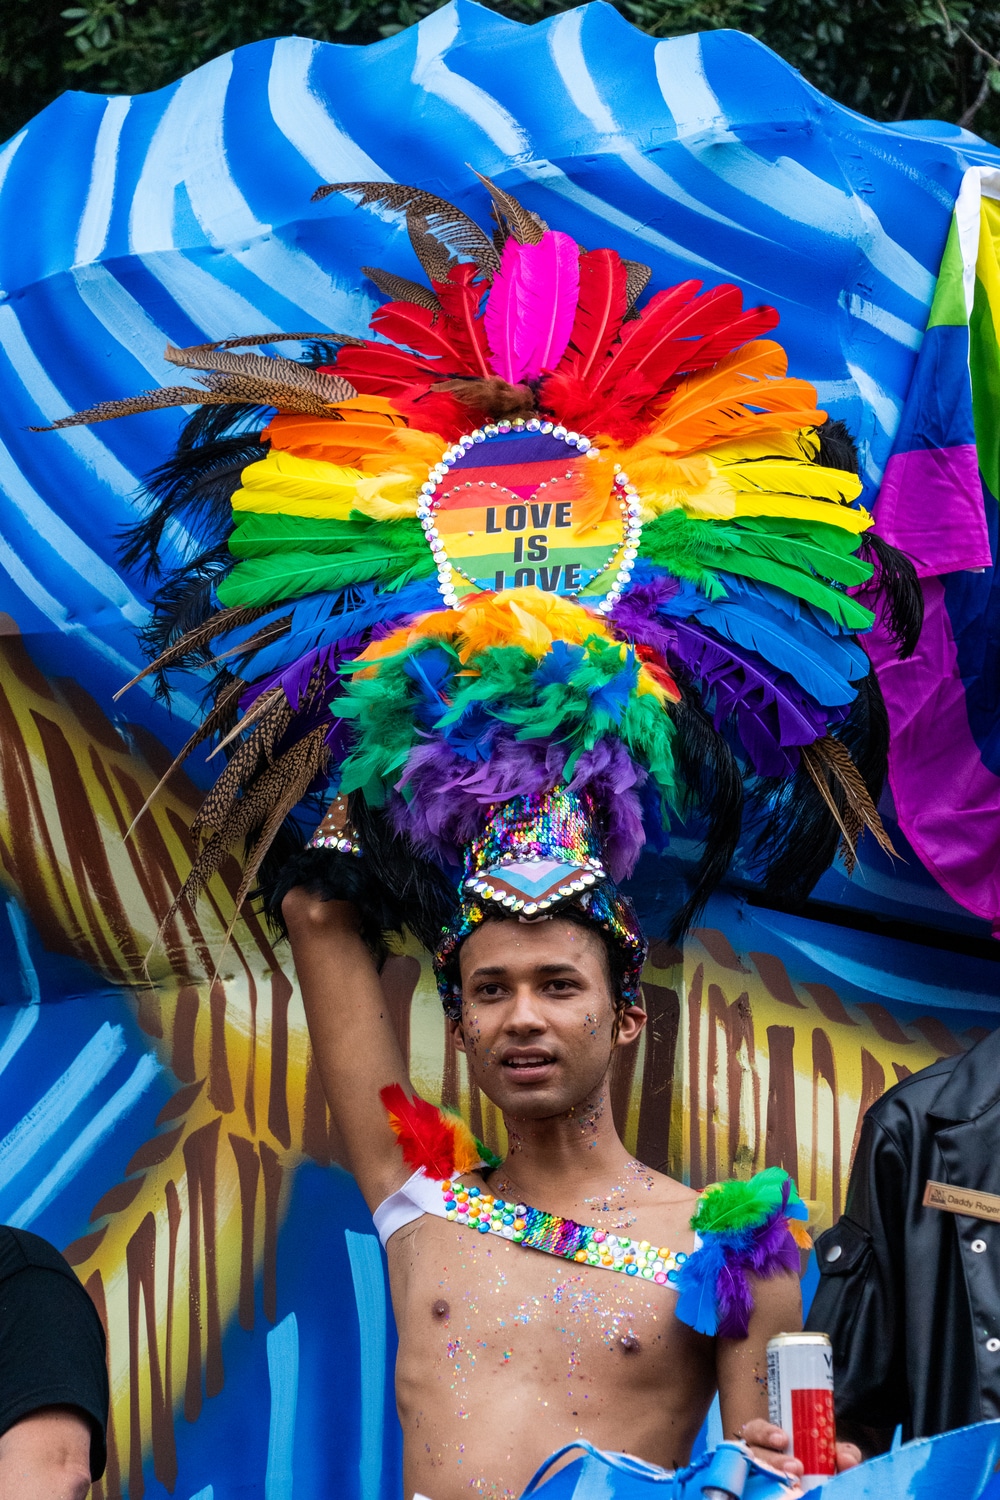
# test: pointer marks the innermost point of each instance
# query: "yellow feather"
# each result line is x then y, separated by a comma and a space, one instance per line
794, 477
390, 496
801, 444
298, 487
466, 1150
799, 509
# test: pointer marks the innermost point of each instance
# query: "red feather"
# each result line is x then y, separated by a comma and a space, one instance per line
421, 329
461, 298
754, 324
599, 311
438, 411
422, 1131
380, 370
662, 341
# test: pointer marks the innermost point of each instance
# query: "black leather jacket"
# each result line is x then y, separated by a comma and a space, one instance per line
910, 1296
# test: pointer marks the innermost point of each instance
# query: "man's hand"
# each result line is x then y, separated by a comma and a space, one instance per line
770, 1445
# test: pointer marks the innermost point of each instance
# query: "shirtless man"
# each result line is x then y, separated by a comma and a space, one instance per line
505, 1355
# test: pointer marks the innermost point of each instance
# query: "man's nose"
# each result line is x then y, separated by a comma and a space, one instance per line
526, 1012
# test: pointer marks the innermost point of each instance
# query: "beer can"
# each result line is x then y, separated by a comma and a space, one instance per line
800, 1400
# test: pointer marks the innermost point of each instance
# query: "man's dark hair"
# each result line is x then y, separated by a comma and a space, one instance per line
568, 913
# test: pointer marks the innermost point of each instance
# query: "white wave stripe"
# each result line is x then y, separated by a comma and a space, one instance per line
29, 974
283, 1375
565, 41
7, 156
120, 315
212, 306
54, 1108
52, 405
894, 328
888, 985
121, 1103
55, 610
887, 412
784, 185
188, 151
96, 218
304, 118
603, 212
26, 1017
435, 34
69, 548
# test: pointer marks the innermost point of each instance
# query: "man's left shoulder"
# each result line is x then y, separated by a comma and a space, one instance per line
667, 1192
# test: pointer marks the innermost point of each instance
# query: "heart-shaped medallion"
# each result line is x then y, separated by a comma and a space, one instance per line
513, 506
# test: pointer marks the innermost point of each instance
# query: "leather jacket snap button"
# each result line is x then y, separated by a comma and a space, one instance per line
836, 1251
993, 1345
979, 1246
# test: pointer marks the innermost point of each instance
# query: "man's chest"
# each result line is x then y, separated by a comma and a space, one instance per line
466, 1304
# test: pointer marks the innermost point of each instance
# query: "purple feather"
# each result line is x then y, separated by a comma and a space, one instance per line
774, 714
635, 616
445, 794
733, 1300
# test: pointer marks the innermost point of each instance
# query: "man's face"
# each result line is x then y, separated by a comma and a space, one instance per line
538, 1015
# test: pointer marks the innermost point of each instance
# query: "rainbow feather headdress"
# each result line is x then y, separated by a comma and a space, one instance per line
532, 571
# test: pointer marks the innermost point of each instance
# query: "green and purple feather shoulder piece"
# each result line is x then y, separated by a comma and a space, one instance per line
753, 1228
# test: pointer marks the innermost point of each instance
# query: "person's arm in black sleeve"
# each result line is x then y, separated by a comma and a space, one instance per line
859, 1298
53, 1386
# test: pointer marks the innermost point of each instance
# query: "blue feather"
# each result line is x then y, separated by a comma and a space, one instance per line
559, 663
431, 670
473, 734
696, 1281
613, 695
823, 664
314, 622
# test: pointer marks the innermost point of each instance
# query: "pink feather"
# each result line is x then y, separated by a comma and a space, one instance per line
531, 306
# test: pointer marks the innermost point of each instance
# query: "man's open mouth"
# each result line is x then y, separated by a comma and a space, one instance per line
527, 1062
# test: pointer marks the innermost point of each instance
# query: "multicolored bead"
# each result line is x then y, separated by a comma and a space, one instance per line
537, 1230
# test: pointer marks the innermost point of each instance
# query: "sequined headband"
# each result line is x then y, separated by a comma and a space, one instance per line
540, 856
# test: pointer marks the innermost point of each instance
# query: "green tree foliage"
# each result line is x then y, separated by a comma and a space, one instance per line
891, 59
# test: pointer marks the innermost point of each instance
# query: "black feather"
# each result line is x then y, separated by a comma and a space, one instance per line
897, 587
795, 836
709, 769
185, 599
837, 448
392, 887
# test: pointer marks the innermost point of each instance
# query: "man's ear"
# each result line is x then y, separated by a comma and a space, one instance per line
455, 1027
628, 1023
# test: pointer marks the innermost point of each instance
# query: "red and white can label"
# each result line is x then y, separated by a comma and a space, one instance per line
800, 1400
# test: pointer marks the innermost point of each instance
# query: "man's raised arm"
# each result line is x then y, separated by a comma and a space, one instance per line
351, 1033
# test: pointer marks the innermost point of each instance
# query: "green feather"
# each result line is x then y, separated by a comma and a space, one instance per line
740, 1205
261, 534
290, 575
697, 550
